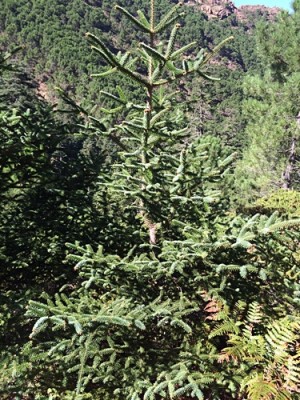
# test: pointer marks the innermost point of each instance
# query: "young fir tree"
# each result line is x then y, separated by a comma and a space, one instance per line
171, 318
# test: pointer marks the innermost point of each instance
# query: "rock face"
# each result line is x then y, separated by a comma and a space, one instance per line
220, 9
269, 13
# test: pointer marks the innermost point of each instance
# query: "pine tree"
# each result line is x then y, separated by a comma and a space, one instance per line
271, 109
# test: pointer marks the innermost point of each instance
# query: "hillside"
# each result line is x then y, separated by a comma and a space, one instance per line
66, 59
149, 202
56, 53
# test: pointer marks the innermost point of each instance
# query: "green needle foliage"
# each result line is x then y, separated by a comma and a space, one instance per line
271, 111
285, 201
47, 188
198, 302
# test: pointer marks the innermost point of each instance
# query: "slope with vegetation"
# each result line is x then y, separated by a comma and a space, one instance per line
271, 109
55, 51
166, 291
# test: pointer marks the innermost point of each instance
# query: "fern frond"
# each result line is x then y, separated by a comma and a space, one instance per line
255, 314
260, 389
224, 328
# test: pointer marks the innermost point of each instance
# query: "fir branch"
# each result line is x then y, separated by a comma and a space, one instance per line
180, 51
216, 49
168, 18
105, 73
140, 23
171, 41
153, 53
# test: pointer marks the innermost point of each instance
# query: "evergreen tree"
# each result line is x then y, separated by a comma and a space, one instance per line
48, 186
271, 109
176, 316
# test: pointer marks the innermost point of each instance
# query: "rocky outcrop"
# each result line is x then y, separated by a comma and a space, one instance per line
245, 12
220, 9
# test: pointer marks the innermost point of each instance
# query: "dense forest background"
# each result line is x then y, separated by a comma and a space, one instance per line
170, 180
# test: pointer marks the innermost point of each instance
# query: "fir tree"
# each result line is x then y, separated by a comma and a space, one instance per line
156, 322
